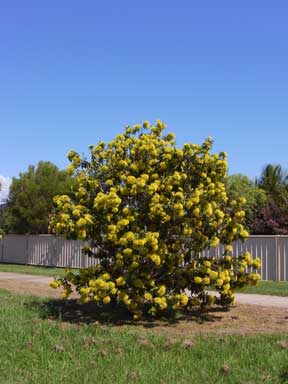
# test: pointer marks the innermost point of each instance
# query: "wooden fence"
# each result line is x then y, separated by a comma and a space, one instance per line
51, 251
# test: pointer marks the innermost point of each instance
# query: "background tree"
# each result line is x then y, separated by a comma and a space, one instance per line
240, 185
274, 181
30, 200
146, 209
272, 219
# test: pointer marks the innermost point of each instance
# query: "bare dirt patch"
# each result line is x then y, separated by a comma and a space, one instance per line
30, 288
240, 319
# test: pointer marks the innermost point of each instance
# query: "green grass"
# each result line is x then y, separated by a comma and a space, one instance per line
32, 270
275, 288
36, 349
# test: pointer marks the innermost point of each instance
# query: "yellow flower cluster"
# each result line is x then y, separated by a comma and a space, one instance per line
147, 209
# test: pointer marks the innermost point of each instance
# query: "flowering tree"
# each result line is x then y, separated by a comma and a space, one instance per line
146, 209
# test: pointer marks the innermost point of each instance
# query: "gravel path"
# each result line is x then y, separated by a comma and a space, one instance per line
263, 300
241, 298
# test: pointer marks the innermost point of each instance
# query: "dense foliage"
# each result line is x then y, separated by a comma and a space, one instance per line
272, 219
256, 197
274, 181
146, 209
30, 200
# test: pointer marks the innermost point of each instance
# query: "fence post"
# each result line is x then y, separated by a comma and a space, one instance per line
54, 254
277, 254
1, 249
27, 250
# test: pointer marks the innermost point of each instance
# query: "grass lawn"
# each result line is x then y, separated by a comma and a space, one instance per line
32, 270
275, 288
36, 348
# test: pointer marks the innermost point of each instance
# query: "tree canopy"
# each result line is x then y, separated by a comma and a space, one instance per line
274, 181
240, 185
271, 219
30, 200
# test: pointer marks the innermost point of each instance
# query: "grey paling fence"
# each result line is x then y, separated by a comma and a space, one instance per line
44, 250
52, 251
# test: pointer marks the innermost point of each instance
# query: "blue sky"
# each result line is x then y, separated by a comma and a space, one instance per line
72, 73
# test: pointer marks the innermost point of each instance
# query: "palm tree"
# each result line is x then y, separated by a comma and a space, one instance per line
274, 180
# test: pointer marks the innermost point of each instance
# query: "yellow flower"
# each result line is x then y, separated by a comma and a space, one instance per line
228, 248
247, 257
131, 180
156, 259
99, 283
214, 242
85, 291
106, 299
207, 263
256, 263
198, 280
213, 274
211, 299
244, 233
127, 252
148, 296
54, 284
161, 302
134, 264
226, 287
137, 316
82, 234
70, 169
120, 281
219, 282
183, 299
162, 290
146, 124
76, 212
242, 200
206, 281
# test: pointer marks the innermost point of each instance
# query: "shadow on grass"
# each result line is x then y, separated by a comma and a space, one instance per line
116, 314
284, 377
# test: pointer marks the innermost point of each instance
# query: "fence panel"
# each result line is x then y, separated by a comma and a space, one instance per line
15, 249
263, 247
48, 250
41, 250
